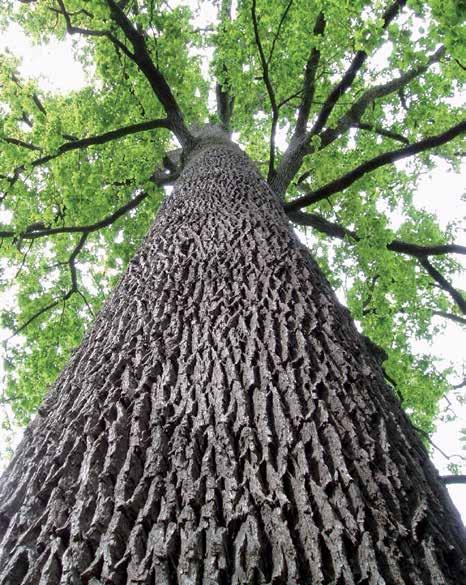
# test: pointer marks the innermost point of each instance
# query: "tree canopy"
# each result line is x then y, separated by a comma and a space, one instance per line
325, 96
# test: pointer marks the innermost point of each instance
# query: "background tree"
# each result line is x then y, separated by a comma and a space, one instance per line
83, 173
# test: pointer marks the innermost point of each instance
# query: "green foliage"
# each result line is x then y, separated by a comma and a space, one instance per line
392, 298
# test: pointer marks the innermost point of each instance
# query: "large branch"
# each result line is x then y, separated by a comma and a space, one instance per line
270, 90
82, 143
309, 78
351, 118
371, 165
157, 81
114, 135
354, 114
444, 284
225, 99
338, 231
300, 147
422, 253
347, 80
450, 479
40, 230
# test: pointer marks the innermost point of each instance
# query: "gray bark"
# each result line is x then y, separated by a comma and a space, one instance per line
224, 423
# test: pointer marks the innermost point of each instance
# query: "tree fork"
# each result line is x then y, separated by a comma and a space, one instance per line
224, 422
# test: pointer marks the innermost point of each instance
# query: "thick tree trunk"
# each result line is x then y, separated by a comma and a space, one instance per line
224, 422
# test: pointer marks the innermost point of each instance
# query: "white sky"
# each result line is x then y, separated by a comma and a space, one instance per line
439, 192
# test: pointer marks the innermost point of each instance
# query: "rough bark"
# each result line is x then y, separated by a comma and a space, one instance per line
224, 422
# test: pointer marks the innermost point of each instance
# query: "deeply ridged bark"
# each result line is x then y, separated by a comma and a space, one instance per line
224, 422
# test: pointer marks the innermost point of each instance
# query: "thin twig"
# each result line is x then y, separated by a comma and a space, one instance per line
279, 29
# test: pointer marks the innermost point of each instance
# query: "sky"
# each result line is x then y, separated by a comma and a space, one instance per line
439, 192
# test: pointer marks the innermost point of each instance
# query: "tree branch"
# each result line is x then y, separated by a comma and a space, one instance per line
74, 289
91, 141
225, 101
40, 230
335, 230
356, 111
21, 143
309, 78
444, 284
338, 231
450, 479
157, 81
70, 29
371, 165
299, 147
114, 134
277, 34
347, 80
460, 385
452, 317
427, 436
270, 91
381, 131
35, 98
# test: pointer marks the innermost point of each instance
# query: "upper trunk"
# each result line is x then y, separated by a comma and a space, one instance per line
224, 422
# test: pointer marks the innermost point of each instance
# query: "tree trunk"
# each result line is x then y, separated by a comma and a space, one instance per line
224, 422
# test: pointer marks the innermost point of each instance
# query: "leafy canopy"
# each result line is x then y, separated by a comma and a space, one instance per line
325, 96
